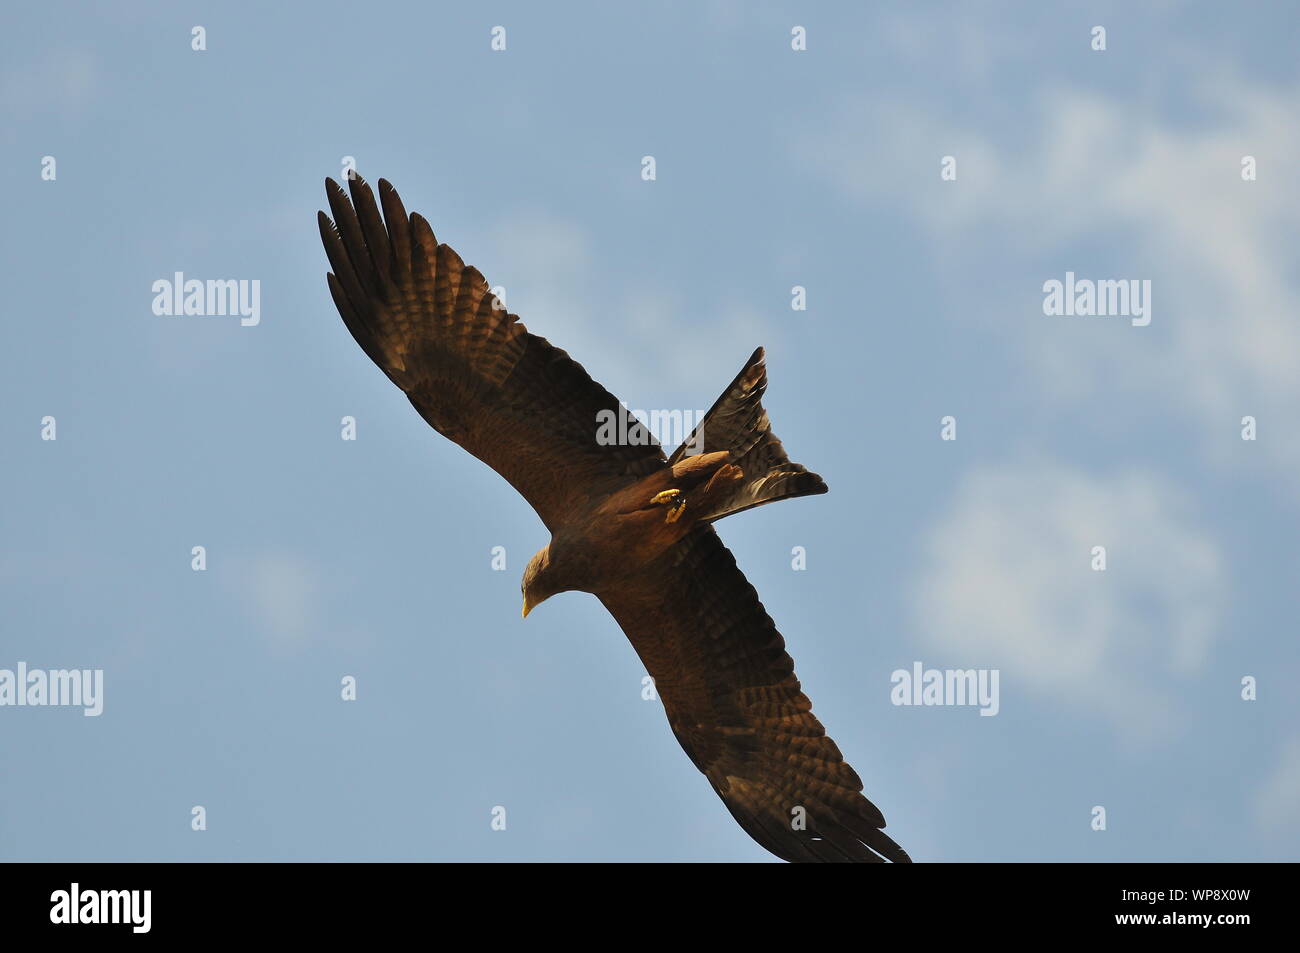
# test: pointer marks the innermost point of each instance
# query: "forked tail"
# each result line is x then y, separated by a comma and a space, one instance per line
738, 423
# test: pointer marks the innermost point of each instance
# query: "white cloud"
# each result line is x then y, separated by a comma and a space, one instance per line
1006, 582
1080, 172
283, 593
1277, 803
630, 339
62, 81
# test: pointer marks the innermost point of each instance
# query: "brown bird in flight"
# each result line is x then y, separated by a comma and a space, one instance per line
629, 525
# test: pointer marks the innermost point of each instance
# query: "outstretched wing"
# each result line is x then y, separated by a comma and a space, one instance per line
731, 696
472, 369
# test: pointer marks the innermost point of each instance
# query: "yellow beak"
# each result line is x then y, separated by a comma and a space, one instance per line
527, 607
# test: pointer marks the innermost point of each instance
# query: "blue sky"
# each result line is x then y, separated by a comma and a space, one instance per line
775, 168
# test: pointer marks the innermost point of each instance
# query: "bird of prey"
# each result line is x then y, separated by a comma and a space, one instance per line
627, 524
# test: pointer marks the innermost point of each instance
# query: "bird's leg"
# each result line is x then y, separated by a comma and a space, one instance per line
674, 500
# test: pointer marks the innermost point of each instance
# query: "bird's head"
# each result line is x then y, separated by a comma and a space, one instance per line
538, 584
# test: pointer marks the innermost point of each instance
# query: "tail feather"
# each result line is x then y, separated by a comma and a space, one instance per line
738, 423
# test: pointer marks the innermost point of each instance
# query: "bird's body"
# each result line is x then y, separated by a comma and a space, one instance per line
628, 524
623, 535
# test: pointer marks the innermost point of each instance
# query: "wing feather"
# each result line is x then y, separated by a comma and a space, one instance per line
471, 369
733, 701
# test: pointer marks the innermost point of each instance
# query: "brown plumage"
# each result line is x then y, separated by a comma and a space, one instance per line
627, 524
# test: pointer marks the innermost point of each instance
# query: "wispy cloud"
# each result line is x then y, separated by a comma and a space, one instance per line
631, 338
62, 80
1277, 803
283, 593
1007, 582
1161, 196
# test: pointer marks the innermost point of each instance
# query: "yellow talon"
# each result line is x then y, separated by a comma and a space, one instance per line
674, 500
